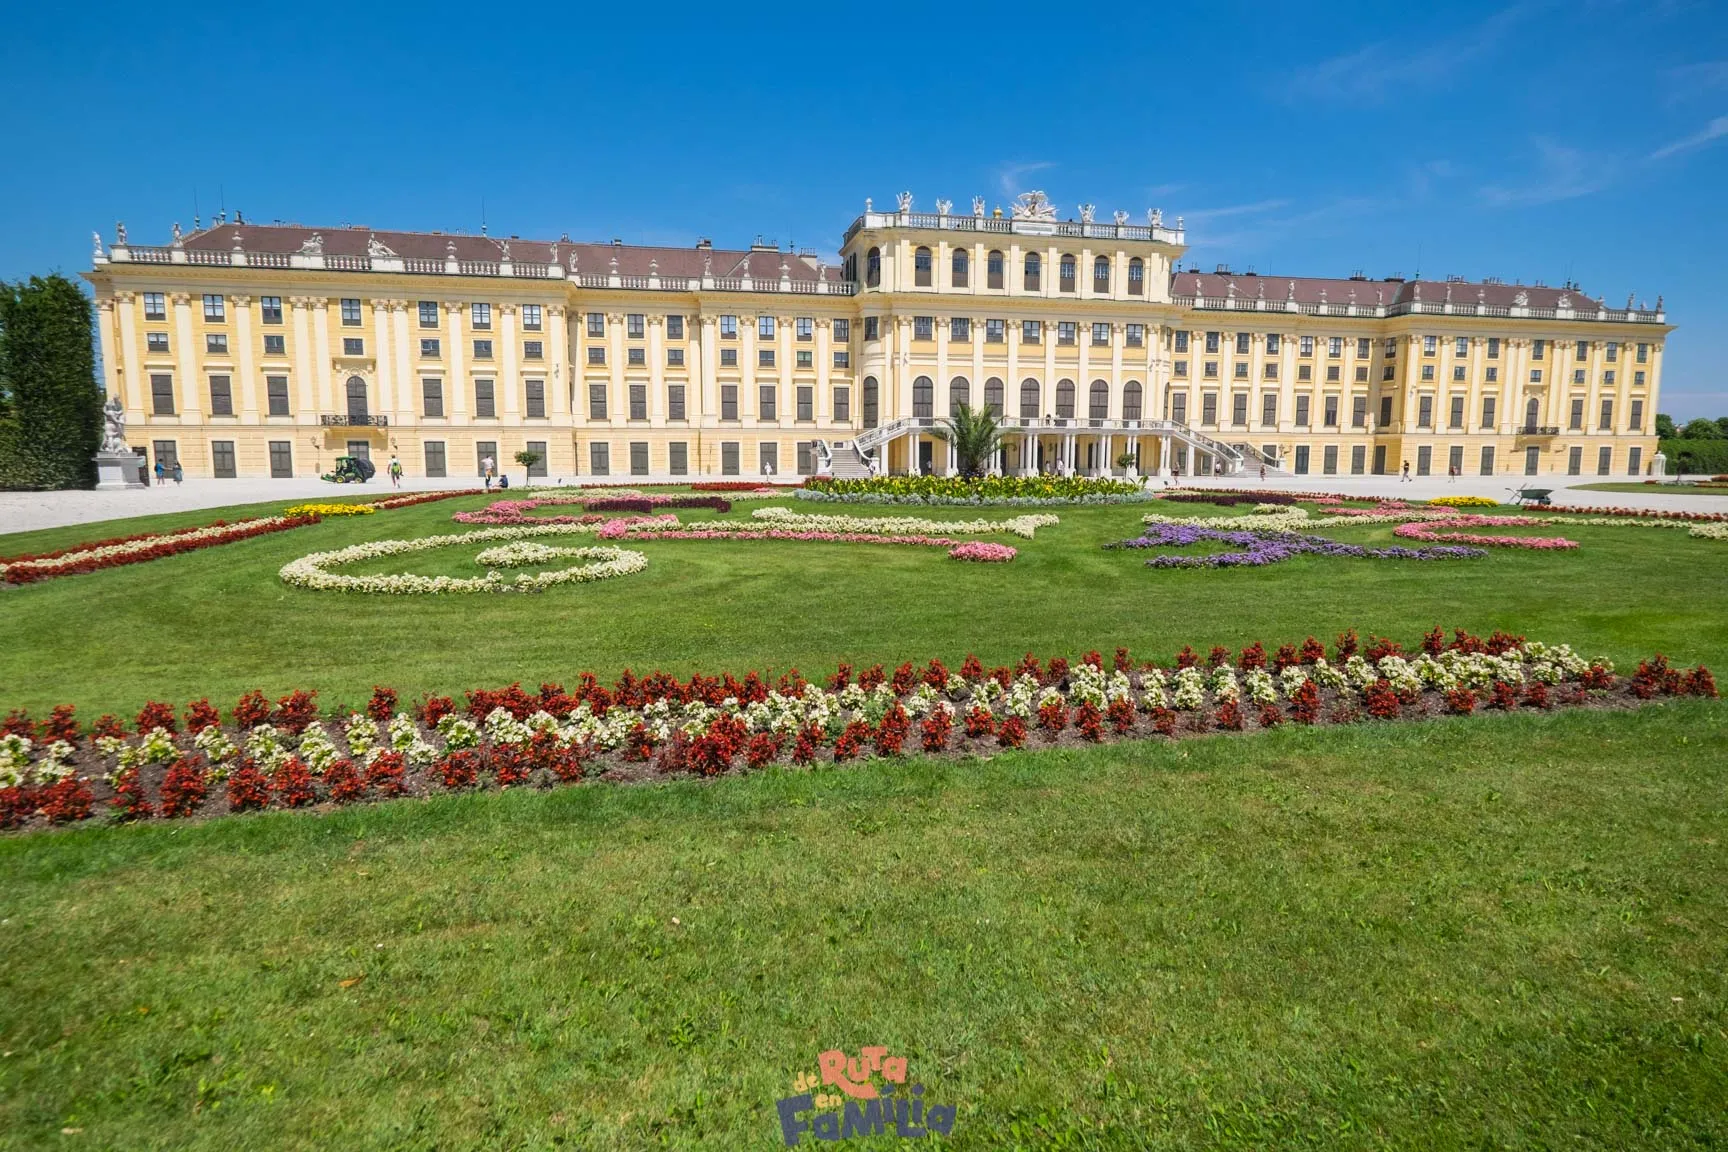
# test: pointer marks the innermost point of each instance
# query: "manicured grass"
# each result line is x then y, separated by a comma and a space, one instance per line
1682, 489
220, 622
1503, 931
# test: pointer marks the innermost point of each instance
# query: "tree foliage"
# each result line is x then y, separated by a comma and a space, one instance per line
975, 434
50, 403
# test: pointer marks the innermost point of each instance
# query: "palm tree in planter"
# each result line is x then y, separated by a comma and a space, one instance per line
527, 459
975, 434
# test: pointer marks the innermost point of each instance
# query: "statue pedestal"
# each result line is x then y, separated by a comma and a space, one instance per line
119, 470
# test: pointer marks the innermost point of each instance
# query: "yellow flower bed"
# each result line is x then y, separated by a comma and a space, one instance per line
1466, 501
330, 510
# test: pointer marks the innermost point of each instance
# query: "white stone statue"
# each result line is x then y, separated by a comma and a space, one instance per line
120, 233
313, 245
114, 426
376, 248
96, 245
943, 207
1155, 217
1120, 217
1522, 299
977, 205
504, 251
904, 201
176, 240
1086, 212
1033, 205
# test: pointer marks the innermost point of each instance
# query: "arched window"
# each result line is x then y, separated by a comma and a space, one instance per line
1131, 400
923, 397
1136, 277
993, 395
1098, 403
1065, 399
1101, 274
1034, 268
871, 402
1029, 399
1066, 277
873, 268
356, 398
960, 268
922, 267
1532, 408
959, 392
993, 270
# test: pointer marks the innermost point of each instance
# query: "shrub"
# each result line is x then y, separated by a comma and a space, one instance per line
65, 801
434, 708
805, 746
251, 710
1164, 721
1313, 651
1089, 721
1345, 646
1285, 657
183, 787
979, 722
201, 714
674, 754
156, 714
1120, 713
345, 784
1253, 656
1380, 701
1305, 704
905, 679
382, 706
1218, 657
1699, 682
459, 769
1503, 696
1465, 502
1229, 717
1122, 663
891, 733
1187, 658
129, 800
62, 724
1011, 733
871, 678
852, 740
247, 788
385, 772
1536, 695
1460, 701
1379, 647
1052, 718
510, 764
18, 723
293, 783
761, 750
1434, 642
1270, 716
933, 732
108, 724
1597, 676
17, 804
296, 710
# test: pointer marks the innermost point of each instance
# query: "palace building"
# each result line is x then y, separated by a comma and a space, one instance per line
270, 350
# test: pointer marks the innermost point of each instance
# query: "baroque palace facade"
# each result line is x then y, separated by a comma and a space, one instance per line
269, 350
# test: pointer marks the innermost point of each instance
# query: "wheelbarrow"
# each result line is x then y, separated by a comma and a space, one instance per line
1538, 496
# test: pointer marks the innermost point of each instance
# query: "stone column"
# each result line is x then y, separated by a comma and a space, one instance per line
407, 380
244, 359
382, 348
188, 361
306, 405
510, 411
125, 367
458, 382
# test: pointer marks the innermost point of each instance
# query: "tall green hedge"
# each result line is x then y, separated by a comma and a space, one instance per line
50, 403
1693, 457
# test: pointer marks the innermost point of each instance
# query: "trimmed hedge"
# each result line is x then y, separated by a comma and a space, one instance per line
1693, 457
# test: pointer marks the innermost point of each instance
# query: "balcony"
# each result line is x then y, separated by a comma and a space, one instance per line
351, 420
1537, 430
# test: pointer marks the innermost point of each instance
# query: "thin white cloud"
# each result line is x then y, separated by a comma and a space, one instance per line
1689, 81
1714, 130
1373, 71
1203, 215
1562, 174
1009, 176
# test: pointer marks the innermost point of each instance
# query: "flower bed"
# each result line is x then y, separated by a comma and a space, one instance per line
313, 571
1228, 499
514, 512
137, 549
1024, 526
982, 552
1465, 502
998, 490
287, 756
1261, 547
746, 487
646, 504
1447, 530
322, 510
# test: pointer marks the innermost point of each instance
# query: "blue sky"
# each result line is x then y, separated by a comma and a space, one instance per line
1531, 141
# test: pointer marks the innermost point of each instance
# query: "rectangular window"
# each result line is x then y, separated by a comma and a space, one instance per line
1493, 353
1270, 370
158, 341
1425, 412
1637, 378
806, 403
1239, 409
1427, 371
221, 397
923, 327
842, 405
995, 331
636, 356
1455, 460
1604, 460
1385, 411
531, 317
432, 396
960, 328
765, 327
678, 458
728, 401
1537, 348
638, 401
765, 401
842, 330
1424, 460
484, 404
728, 357
1359, 412
1212, 342
675, 402
1031, 331
674, 327
1430, 345
1487, 417
765, 358
1242, 343
428, 313
222, 459
162, 395
1487, 466
1210, 369
216, 342
1329, 412
1272, 343
842, 359
729, 458
1636, 423
350, 313
635, 325
767, 458
167, 452
1390, 373
1302, 403
1456, 417
638, 457
214, 308
1574, 461
596, 354
1613, 350
804, 328
1607, 421
1461, 346
1065, 331
1577, 421
1304, 371
276, 394
597, 323
353, 346
482, 349
1358, 459
1135, 335
1364, 347
270, 309
281, 459
1332, 373
806, 457
1269, 410
430, 348
1240, 370
155, 306
1179, 368
532, 350
1458, 372
436, 464
1329, 460
1302, 460
872, 327
1179, 407
600, 458
1608, 378
1209, 408
1491, 375
728, 327
1643, 356
1181, 341
1577, 375
1100, 333
535, 398
597, 401
480, 316
1634, 460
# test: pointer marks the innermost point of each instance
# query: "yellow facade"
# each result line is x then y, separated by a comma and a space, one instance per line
245, 350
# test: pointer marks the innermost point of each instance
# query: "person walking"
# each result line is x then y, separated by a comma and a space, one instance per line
179, 474
1406, 478
486, 471
161, 473
395, 472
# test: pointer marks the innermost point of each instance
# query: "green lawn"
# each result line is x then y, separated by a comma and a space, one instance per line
1682, 489
1497, 931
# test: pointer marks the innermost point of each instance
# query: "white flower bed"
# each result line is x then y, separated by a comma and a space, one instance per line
601, 563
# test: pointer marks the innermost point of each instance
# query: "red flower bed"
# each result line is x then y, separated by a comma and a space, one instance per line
29, 569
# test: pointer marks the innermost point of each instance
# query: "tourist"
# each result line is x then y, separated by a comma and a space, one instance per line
486, 471
395, 472
1406, 478
161, 473
179, 475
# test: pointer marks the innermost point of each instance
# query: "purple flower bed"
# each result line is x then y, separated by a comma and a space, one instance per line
1262, 548
1230, 499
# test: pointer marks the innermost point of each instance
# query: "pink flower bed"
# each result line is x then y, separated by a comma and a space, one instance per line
1443, 531
621, 530
516, 512
982, 552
